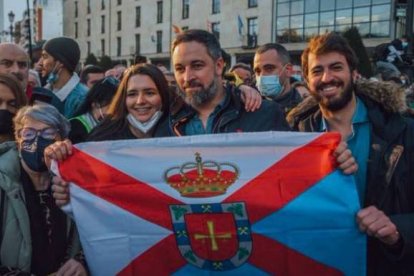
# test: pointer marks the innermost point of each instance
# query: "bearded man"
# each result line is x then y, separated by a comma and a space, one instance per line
210, 107
368, 116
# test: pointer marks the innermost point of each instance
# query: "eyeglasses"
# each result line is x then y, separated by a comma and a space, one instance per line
28, 133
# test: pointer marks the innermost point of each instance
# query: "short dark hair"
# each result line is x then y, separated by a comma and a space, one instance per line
101, 93
89, 69
200, 36
140, 59
327, 43
242, 66
280, 49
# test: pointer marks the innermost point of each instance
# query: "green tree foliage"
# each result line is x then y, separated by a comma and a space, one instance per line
105, 62
354, 39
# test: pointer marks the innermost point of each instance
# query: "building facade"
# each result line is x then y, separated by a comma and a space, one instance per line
48, 19
123, 28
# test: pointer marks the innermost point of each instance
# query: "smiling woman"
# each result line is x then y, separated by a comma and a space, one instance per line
139, 107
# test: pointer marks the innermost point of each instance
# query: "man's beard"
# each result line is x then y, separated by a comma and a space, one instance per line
201, 97
337, 103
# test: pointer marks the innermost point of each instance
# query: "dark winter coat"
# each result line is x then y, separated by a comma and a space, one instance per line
390, 172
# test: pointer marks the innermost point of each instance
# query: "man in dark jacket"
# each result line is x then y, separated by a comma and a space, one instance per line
368, 117
209, 107
273, 71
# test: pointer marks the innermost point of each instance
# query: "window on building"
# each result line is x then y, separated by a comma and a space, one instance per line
216, 6
215, 28
102, 47
76, 9
252, 3
252, 31
371, 17
119, 20
137, 44
138, 16
88, 46
76, 29
102, 24
102, 4
186, 9
159, 12
88, 27
159, 41
88, 7
118, 46
119, 2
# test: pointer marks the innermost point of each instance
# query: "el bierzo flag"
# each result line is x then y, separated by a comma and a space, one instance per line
226, 204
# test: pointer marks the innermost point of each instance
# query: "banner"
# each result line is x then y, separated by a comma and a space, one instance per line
225, 204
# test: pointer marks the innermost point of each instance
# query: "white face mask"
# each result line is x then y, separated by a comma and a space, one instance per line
146, 126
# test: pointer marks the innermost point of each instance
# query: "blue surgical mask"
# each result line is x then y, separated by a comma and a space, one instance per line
404, 44
269, 86
297, 77
53, 76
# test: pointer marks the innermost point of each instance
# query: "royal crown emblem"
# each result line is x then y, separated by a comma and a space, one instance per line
202, 179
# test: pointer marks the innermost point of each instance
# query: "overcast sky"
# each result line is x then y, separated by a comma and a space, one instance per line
18, 7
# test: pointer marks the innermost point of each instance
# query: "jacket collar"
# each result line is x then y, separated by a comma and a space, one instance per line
389, 96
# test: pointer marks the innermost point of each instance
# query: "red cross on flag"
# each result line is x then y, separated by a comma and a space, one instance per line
227, 204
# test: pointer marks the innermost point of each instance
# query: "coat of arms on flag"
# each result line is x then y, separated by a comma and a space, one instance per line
228, 204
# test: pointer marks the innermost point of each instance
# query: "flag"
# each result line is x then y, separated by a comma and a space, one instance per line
240, 25
225, 204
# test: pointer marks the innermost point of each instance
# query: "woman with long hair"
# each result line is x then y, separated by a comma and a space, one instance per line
139, 108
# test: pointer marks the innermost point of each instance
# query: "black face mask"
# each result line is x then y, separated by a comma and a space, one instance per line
32, 153
6, 122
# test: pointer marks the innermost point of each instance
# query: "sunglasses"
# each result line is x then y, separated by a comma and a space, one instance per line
28, 133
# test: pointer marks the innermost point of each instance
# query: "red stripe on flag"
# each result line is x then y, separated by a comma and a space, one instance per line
277, 259
161, 259
118, 188
280, 183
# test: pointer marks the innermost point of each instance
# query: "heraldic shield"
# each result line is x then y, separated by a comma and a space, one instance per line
212, 236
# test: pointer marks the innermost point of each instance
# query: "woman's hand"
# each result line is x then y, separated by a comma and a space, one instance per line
58, 151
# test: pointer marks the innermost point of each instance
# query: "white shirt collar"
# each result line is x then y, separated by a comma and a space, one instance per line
67, 88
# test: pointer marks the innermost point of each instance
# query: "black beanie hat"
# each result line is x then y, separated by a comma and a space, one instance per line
65, 50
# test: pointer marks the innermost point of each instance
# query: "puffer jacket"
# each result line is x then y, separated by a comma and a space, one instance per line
390, 171
15, 239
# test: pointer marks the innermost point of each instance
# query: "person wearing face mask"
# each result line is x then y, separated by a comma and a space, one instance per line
58, 62
12, 97
273, 70
139, 108
93, 109
36, 236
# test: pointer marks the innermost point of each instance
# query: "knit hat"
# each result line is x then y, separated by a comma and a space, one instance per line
65, 50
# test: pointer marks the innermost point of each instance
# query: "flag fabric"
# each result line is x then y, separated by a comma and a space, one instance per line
225, 204
240, 25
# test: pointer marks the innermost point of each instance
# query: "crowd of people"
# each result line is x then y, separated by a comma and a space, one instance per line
44, 110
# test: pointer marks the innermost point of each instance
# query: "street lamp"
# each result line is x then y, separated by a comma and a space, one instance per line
11, 20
